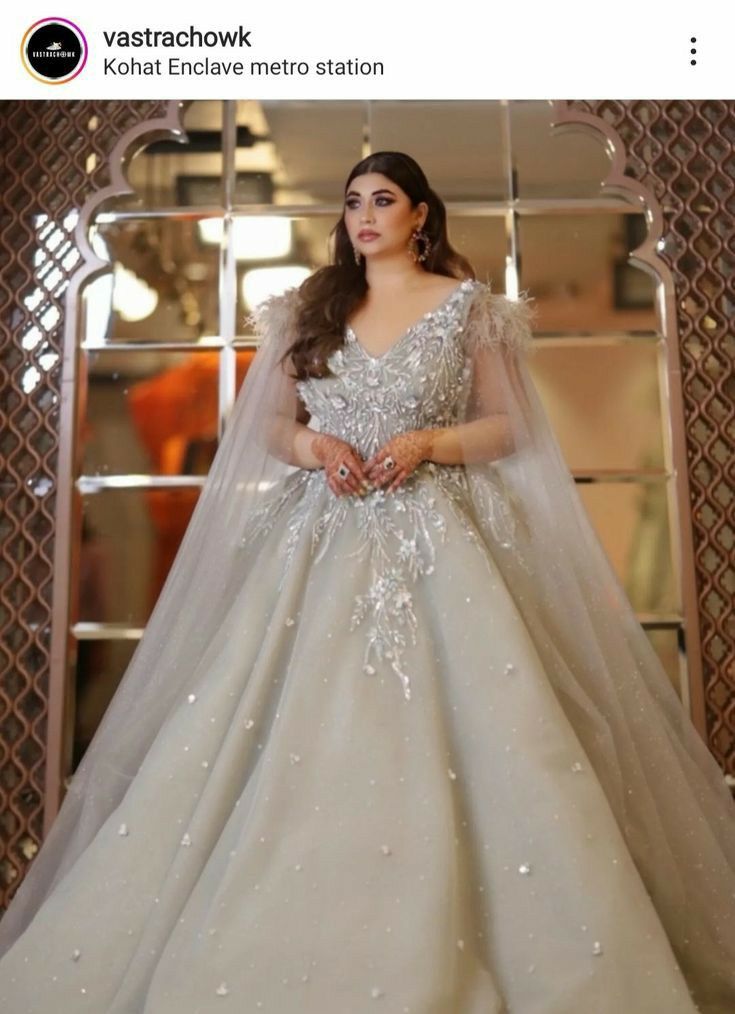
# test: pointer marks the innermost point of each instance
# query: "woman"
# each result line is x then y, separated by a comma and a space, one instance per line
393, 734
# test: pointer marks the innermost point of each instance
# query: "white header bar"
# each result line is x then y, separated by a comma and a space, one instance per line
377, 50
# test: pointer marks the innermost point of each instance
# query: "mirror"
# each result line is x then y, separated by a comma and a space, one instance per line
243, 209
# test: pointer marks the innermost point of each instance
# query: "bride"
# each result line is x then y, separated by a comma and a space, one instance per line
393, 737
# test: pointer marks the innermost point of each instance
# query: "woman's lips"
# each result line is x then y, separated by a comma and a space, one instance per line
367, 235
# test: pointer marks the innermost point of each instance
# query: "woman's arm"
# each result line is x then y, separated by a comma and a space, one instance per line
486, 436
289, 438
480, 440
294, 442
489, 435
302, 444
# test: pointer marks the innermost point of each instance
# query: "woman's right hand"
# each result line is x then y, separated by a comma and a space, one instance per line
333, 452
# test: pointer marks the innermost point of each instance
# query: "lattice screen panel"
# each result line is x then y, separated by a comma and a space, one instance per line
53, 155
684, 153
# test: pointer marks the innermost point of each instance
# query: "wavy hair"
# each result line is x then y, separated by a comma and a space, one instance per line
328, 296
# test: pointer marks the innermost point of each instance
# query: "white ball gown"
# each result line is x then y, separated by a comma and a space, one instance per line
407, 752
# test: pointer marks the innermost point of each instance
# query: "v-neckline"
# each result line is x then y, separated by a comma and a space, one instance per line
409, 330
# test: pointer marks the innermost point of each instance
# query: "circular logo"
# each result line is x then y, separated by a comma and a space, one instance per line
54, 50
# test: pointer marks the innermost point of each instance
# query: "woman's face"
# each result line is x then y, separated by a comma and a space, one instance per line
377, 206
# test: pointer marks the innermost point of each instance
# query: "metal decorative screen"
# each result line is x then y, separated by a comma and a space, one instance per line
684, 153
54, 154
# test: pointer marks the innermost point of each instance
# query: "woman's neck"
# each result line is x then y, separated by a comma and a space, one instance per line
393, 275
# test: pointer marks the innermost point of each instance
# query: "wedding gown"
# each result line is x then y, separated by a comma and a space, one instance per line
370, 798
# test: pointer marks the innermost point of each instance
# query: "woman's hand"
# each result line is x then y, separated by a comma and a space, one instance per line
333, 453
407, 450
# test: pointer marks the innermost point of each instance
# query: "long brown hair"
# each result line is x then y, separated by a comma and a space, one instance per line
328, 297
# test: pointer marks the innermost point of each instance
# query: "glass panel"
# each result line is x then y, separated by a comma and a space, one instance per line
554, 163
304, 148
632, 522
458, 144
603, 403
186, 173
100, 665
163, 285
274, 252
576, 266
666, 644
481, 239
129, 541
148, 412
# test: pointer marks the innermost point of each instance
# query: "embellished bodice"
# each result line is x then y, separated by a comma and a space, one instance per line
415, 384
420, 382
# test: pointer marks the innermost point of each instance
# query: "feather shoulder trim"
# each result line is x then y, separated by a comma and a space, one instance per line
274, 318
494, 320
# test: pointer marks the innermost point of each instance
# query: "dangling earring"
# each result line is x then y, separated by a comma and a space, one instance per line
417, 236
357, 255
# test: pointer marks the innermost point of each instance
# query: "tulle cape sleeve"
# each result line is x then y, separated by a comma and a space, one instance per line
666, 790
247, 470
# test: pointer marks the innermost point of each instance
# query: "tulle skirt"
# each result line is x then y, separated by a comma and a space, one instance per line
302, 836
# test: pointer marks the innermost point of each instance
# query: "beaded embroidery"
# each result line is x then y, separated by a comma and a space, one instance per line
417, 383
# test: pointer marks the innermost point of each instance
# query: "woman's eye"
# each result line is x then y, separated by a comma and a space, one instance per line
352, 203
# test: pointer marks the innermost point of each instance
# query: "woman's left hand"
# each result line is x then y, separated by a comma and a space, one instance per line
407, 450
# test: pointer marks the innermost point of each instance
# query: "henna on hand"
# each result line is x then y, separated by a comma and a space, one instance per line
332, 452
408, 450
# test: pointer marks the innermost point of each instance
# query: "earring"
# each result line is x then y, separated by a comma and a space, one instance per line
417, 236
357, 255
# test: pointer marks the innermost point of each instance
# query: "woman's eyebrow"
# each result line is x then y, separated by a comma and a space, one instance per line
384, 190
